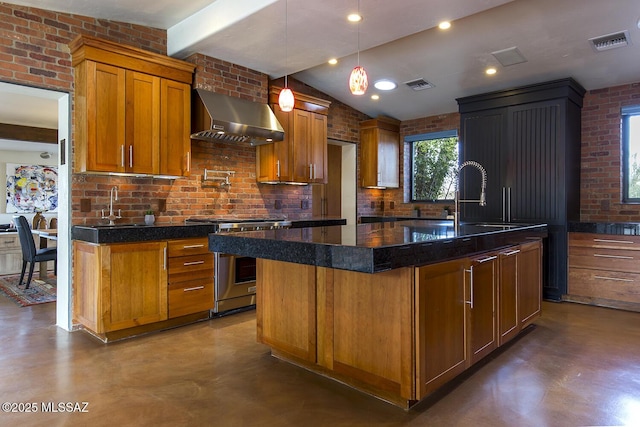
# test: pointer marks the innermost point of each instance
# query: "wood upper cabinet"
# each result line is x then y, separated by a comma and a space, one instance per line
132, 109
380, 153
119, 286
302, 156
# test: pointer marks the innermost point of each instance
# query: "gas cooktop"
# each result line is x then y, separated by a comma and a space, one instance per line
243, 224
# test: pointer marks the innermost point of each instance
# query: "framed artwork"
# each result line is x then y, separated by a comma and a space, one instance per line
32, 188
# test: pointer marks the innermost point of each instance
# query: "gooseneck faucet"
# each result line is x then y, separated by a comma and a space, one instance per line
483, 198
112, 217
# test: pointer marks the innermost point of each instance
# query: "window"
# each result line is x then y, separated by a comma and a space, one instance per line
434, 166
631, 154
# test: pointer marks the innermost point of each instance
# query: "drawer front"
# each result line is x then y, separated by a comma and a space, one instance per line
182, 247
9, 243
609, 285
610, 241
190, 297
190, 267
605, 259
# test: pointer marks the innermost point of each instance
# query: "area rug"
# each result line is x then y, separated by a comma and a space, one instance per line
39, 292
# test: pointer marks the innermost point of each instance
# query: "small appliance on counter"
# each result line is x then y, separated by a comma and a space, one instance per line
235, 276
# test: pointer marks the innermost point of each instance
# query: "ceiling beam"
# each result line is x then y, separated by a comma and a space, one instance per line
28, 133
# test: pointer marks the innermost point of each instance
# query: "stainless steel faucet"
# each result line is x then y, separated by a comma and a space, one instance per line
112, 217
483, 198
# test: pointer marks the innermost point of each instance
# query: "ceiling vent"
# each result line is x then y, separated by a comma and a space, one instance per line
510, 56
419, 84
610, 41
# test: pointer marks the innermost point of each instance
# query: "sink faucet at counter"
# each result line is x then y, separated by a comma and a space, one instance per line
483, 198
112, 217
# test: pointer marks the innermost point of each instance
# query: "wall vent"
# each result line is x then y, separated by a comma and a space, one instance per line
610, 41
419, 84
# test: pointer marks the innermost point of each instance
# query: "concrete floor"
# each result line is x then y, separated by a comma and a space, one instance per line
579, 366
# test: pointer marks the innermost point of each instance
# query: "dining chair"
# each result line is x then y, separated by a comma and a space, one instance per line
30, 254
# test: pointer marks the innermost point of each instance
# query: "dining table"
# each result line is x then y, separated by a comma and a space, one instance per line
45, 235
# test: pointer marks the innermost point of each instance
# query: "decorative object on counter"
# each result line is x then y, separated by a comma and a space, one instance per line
446, 211
149, 217
112, 217
213, 175
40, 291
358, 81
286, 99
31, 188
416, 211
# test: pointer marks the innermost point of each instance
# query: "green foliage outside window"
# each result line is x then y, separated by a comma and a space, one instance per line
435, 164
632, 134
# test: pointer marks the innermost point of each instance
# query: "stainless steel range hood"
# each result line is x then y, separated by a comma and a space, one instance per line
217, 117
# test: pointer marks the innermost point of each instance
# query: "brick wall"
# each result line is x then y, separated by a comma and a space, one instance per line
601, 168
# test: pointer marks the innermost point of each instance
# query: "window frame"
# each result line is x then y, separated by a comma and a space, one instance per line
411, 139
626, 113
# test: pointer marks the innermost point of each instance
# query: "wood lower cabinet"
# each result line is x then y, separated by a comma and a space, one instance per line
508, 320
132, 110
10, 253
441, 319
190, 277
529, 282
481, 306
604, 270
119, 286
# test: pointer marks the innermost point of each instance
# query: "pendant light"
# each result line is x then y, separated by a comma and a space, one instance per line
285, 99
358, 81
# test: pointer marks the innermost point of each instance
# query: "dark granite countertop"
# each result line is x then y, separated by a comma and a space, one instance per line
369, 219
126, 233
619, 228
373, 247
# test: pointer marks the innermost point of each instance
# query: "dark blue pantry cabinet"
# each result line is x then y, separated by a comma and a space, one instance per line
528, 140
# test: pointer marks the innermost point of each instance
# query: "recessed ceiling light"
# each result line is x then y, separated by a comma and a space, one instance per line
385, 84
333, 61
491, 71
375, 97
354, 17
444, 25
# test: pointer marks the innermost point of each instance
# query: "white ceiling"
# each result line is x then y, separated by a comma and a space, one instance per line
398, 40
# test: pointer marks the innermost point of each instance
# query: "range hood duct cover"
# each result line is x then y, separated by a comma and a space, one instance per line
217, 117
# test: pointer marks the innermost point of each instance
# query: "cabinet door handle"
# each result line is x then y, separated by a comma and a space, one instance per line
617, 279
470, 271
131, 156
489, 258
504, 204
612, 256
195, 288
192, 246
188, 161
509, 253
122, 155
278, 168
613, 241
193, 263
164, 266
310, 171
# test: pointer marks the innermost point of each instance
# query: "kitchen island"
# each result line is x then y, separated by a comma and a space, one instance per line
395, 309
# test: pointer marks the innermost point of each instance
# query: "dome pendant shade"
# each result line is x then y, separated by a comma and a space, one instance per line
286, 100
358, 81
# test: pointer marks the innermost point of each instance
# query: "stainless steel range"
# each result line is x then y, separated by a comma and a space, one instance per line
235, 276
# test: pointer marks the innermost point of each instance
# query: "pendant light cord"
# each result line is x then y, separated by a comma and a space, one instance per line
286, 41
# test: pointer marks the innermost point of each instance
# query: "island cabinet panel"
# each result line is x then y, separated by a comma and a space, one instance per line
481, 306
286, 307
370, 334
604, 270
529, 282
508, 321
441, 317
120, 286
